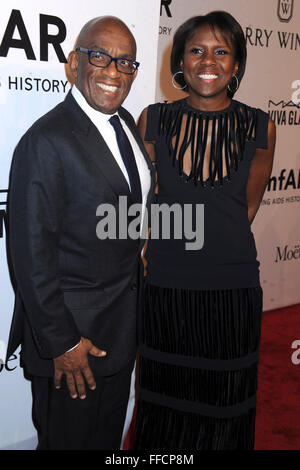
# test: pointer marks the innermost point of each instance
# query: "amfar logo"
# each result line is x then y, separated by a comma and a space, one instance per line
16, 24
285, 181
285, 10
166, 5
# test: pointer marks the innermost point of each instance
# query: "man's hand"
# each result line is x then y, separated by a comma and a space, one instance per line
75, 365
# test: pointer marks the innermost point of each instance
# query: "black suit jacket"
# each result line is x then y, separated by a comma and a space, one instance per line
68, 282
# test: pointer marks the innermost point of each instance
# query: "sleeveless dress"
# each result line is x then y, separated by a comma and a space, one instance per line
200, 328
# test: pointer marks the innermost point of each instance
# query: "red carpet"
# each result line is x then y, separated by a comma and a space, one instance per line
278, 403
278, 399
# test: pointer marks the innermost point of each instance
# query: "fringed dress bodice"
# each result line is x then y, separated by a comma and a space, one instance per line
204, 158
215, 141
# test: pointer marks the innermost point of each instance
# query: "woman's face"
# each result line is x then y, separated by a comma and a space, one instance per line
208, 65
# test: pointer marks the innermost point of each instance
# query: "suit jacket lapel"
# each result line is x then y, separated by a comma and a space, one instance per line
96, 148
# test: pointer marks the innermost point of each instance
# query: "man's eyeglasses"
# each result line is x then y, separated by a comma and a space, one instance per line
103, 60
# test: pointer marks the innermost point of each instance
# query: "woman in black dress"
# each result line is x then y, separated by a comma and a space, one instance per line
202, 318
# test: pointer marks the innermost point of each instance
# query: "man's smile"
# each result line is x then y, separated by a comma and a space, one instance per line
105, 87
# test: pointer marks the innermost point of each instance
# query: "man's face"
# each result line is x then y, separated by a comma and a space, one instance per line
104, 89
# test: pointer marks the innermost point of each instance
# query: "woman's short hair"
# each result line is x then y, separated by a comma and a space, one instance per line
230, 30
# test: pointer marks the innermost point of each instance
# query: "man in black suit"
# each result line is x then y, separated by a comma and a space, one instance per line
77, 296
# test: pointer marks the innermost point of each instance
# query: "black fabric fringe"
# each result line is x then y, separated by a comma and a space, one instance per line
229, 132
216, 325
222, 324
162, 428
219, 388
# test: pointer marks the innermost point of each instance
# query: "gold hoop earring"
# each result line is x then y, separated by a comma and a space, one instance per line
237, 85
173, 81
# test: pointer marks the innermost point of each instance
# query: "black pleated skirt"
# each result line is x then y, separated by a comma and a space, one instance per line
198, 369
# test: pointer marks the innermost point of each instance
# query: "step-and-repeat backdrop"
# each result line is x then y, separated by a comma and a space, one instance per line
35, 38
272, 83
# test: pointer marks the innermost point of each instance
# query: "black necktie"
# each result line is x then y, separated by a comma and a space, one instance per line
128, 159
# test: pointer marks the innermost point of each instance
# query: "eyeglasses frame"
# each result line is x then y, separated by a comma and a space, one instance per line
112, 59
